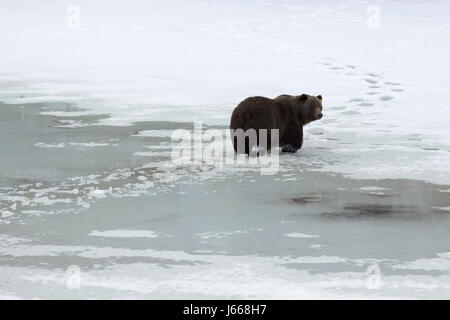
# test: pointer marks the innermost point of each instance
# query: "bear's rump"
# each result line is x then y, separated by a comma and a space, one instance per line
257, 117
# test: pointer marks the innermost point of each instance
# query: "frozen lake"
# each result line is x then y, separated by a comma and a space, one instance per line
91, 205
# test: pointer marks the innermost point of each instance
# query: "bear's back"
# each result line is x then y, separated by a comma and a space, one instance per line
255, 112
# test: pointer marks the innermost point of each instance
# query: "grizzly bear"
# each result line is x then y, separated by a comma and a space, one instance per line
286, 113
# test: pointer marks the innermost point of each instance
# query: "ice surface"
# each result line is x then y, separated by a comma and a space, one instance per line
87, 175
124, 234
150, 63
301, 235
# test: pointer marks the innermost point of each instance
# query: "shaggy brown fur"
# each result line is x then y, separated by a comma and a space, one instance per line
287, 113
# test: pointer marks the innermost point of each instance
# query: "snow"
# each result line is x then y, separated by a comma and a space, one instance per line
146, 61
386, 112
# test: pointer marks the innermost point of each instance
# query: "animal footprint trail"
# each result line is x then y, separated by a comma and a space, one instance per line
365, 109
378, 89
394, 86
370, 80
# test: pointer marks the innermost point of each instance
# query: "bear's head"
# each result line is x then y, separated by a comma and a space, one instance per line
309, 108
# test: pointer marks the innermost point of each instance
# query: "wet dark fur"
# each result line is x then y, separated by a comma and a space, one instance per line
287, 113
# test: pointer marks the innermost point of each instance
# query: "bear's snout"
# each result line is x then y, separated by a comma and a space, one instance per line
319, 116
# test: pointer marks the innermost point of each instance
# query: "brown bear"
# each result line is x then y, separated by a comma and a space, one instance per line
286, 113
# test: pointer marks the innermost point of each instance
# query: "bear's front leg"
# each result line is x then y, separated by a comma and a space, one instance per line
289, 148
292, 139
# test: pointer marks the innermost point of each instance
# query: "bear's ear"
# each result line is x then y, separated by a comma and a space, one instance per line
319, 97
303, 97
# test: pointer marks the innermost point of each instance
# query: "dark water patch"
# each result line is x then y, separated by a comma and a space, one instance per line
372, 210
430, 149
392, 83
386, 98
397, 90
306, 200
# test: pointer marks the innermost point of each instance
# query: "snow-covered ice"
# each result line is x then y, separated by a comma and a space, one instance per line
87, 112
